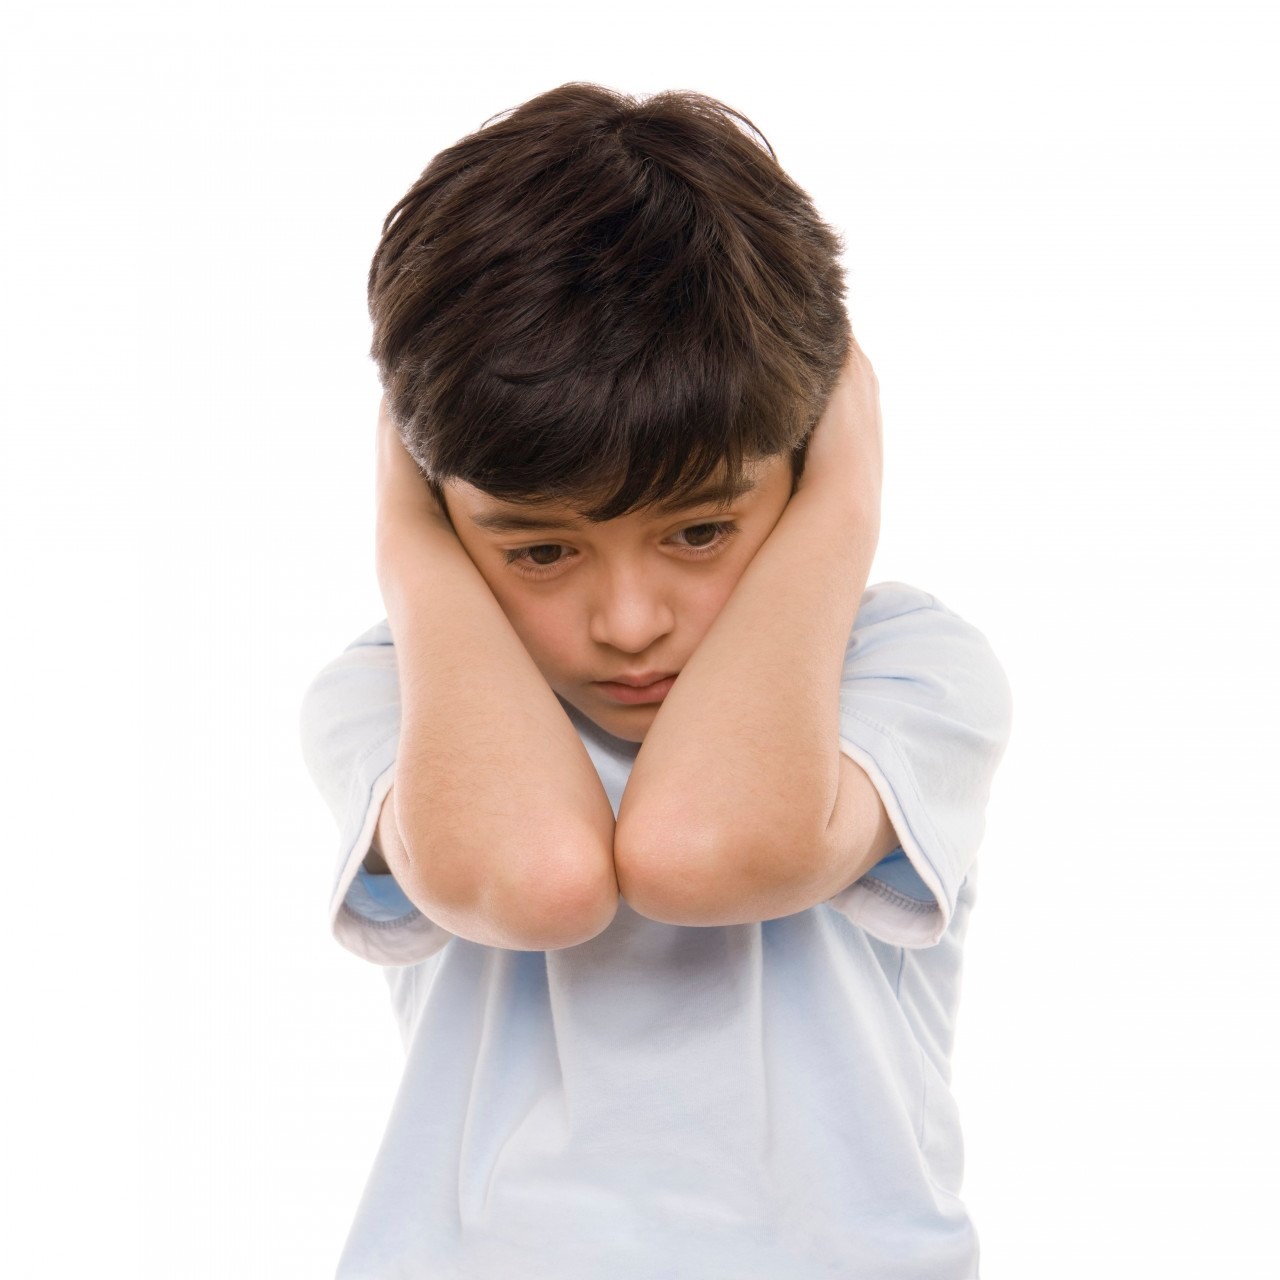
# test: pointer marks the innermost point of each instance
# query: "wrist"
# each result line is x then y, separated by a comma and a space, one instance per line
397, 526
851, 510
406, 549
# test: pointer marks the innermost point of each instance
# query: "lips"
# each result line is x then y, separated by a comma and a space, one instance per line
621, 691
641, 681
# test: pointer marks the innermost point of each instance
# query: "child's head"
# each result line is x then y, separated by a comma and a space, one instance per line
583, 314
602, 301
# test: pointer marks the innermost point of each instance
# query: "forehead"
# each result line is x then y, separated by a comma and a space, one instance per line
496, 515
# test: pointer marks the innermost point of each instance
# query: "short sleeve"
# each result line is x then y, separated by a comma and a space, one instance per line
350, 729
925, 710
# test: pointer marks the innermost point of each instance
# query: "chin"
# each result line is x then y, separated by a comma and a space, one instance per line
629, 726
626, 727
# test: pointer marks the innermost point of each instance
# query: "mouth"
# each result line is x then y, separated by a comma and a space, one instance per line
636, 694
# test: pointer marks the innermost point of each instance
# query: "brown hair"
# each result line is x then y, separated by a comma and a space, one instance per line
602, 299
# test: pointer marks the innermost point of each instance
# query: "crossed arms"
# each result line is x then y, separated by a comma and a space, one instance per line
739, 806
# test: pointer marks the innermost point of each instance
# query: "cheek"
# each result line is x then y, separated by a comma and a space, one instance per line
714, 591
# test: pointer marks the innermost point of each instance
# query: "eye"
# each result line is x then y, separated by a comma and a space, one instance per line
522, 558
720, 531
532, 552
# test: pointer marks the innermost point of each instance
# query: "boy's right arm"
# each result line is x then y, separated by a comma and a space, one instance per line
497, 825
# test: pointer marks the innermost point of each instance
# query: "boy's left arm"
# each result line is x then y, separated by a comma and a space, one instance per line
740, 805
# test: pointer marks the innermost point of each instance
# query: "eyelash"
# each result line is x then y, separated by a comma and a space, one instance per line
518, 559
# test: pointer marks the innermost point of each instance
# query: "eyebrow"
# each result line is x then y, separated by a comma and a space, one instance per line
718, 495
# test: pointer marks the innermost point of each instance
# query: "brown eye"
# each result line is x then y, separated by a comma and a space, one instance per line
533, 562
695, 533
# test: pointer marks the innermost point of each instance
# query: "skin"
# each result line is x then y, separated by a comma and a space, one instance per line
627, 596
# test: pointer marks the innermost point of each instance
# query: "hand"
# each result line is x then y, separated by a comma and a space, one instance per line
846, 451
403, 496
407, 511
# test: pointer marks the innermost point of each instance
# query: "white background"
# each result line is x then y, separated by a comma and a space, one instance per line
1061, 228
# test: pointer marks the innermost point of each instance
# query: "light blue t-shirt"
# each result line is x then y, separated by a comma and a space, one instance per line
665, 1102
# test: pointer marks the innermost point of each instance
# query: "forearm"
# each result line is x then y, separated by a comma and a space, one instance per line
739, 772
506, 832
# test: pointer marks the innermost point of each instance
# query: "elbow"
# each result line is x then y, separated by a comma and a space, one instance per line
570, 910
525, 902
689, 881
708, 882
551, 903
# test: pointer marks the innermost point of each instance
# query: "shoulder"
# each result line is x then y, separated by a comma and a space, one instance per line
899, 609
377, 635
895, 616
904, 636
370, 652
887, 600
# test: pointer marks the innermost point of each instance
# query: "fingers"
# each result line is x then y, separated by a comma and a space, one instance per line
403, 494
857, 360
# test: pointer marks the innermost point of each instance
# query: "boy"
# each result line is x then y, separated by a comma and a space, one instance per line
661, 823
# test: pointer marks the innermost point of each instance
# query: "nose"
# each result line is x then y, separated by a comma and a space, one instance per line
630, 610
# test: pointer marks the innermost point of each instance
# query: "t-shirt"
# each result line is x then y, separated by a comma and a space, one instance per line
761, 1100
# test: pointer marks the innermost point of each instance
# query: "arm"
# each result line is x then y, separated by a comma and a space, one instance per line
497, 825
740, 806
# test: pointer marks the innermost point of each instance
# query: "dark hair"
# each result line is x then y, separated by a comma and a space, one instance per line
599, 300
